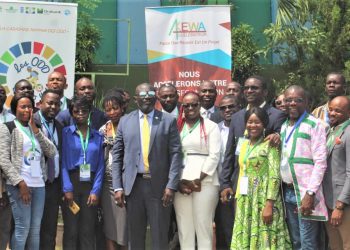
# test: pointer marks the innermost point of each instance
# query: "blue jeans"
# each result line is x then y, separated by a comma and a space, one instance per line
303, 233
27, 218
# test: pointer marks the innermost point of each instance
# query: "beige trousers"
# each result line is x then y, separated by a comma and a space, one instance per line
339, 237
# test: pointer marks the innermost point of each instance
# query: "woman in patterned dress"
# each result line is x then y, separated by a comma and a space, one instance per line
259, 220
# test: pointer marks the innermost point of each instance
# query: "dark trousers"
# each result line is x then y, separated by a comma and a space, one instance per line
143, 207
224, 218
53, 200
79, 229
5, 221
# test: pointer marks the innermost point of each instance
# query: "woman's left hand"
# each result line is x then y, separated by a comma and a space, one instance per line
92, 200
32, 123
267, 213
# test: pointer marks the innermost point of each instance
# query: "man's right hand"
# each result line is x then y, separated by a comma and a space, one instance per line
24, 192
225, 193
119, 198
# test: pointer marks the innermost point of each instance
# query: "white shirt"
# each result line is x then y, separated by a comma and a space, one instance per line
28, 159
286, 149
141, 168
206, 113
174, 113
224, 131
6, 116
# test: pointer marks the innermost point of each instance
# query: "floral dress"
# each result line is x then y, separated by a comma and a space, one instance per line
263, 172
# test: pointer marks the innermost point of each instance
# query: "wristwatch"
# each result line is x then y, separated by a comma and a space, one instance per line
309, 192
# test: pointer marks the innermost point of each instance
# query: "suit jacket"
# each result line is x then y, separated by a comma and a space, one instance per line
165, 155
98, 118
230, 170
58, 127
336, 182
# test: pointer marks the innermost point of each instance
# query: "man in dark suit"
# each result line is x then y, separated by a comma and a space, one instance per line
207, 95
84, 86
45, 119
146, 164
168, 98
337, 179
255, 92
58, 81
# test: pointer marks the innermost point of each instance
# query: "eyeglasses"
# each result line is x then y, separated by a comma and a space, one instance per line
232, 106
296, 100
143, 94
188, 105
278, 102
80, 111
251, 87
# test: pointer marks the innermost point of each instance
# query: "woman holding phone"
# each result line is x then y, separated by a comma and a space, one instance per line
23, 148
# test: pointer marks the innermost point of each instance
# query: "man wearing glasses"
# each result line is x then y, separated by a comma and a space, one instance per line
147, 159
303, 164
255, 92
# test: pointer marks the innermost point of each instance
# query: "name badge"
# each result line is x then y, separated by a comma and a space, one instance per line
243, 185
241, 140
35, 168
84, 172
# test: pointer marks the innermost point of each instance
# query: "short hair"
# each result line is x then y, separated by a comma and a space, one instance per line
114, 96
167, 85
49, 91
261, 79
80, 102
230, 97
260, 113
342, 77
16, 98
18, 82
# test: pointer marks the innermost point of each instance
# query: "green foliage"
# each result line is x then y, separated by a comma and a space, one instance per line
244, 53
312, 38
88, 35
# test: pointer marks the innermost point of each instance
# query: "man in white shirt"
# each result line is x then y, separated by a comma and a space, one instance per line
168, 98
5, 208
207, 94
228, 105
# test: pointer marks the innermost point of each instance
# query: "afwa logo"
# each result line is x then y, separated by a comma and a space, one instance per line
29, 60
186, 29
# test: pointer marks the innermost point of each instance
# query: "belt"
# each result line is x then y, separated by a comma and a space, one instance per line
144, 176
288, 185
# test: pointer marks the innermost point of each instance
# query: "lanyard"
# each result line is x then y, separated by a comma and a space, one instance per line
187, 131
30, 135
84, 144
47, 127
335, 134
247, 154
296, 125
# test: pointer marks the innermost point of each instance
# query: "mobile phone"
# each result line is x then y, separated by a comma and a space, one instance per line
229, 197
74, 208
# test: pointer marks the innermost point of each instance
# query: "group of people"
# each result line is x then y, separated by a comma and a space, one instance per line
240, 175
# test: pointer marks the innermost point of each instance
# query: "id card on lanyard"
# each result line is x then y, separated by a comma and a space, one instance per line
84, 169
34, 157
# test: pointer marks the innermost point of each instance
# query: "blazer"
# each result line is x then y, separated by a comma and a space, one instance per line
165, 155
11, 151
336, 181
58, 127
230, 170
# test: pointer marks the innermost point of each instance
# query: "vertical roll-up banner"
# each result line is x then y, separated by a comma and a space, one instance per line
37, 38
189, 44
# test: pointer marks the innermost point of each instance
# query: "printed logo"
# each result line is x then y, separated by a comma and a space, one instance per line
30, 60
187, 29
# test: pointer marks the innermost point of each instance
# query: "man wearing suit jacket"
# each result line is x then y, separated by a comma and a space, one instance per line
146, 164
336, 182
207, 95
58, 81
45, 119
255, 92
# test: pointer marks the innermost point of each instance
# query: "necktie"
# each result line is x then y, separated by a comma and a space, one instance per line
145, 143
50, 161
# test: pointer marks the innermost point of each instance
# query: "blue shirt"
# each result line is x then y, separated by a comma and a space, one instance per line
73, 157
